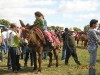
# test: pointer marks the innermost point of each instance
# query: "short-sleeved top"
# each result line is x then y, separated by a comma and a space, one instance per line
39, 22
14, 42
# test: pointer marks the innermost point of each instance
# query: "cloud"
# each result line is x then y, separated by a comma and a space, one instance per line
82, 17
78, 5
25, 3
49, 23
14, 10
67, 15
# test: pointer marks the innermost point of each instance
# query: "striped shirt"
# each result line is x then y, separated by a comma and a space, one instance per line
92, 37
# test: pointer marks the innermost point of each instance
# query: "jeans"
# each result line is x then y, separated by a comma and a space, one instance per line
5, 46
64, 49
93, 53
26, 58
28, 51
43, 55
14, 58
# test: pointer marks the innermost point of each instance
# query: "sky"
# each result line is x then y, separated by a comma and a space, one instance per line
64, 13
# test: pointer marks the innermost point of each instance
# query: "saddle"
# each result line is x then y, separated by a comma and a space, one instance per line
45, 40
40, 34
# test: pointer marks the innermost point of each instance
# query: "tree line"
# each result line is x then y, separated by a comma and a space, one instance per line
86, 27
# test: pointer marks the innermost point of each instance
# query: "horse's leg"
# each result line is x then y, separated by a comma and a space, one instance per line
50, 60
40, 62
85, 43
35, 61
56, 57
77, 42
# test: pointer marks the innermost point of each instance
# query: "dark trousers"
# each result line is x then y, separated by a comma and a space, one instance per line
73, 53
27, 56
0, 52
14, 59
9, 59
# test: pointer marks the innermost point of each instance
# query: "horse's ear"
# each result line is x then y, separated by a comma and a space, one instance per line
22, 24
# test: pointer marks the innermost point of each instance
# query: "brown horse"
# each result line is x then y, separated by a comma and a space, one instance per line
84, 39
36, 44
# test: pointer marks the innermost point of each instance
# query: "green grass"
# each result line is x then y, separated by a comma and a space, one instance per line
83, 56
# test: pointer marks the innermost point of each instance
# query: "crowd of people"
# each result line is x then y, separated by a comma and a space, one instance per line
13, 46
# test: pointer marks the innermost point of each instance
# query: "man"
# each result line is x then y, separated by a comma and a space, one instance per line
14, 44
93, 42
4, 37
71, 49
64, 44
9, 55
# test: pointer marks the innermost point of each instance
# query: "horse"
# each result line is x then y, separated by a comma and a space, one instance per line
59, 34
37, 45
84, 39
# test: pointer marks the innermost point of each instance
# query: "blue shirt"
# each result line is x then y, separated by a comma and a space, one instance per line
45, 25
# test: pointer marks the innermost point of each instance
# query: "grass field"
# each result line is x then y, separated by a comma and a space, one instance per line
72, 69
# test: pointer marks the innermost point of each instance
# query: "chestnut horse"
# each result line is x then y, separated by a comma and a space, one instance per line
36, 44
84, 39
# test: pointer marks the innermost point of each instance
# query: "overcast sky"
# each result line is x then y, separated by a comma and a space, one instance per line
65, 13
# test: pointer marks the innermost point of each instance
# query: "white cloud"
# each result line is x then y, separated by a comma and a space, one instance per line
78, 5
67, 15
78, 20
14, 14
49, 23
25, 3
14, 10
85, 16
82, 17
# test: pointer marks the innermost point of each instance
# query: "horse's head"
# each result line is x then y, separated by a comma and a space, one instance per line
25, 30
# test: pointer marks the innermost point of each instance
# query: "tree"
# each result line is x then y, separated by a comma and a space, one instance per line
53, 27
76, 29
5, 22
86, 28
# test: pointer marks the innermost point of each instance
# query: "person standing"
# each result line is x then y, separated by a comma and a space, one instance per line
93, 42
64, 44
71, 48
4, 37
0, 46
9, 55
14, 44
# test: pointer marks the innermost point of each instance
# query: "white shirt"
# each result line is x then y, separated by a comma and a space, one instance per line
4, 34
8, 33
11, 37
